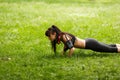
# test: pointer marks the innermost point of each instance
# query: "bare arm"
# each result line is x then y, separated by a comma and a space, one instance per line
71, 52
68, 45
64, 50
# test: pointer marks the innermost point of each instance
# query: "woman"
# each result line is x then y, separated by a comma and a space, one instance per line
56, 36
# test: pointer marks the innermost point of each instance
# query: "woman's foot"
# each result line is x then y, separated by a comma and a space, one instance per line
118, 49
118, 45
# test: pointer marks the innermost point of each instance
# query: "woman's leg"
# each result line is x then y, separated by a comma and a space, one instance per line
100, 47
116, 45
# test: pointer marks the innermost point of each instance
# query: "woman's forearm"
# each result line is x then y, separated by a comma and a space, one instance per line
71, 51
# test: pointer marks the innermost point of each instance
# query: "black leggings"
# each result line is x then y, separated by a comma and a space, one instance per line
100, 47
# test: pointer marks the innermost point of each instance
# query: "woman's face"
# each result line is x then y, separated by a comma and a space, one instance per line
52, 36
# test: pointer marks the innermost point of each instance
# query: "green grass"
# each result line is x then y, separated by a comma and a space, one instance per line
22, 27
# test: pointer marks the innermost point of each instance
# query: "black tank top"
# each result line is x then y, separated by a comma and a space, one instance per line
73, 38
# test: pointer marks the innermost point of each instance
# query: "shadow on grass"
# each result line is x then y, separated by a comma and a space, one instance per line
82, 54
53, 56
94, 54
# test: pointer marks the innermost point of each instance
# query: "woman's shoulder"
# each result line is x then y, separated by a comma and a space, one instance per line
67, 36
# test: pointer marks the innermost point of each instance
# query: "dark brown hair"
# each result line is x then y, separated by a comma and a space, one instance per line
53, 29
50, 30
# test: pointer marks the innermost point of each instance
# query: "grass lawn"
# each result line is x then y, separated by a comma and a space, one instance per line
25, 52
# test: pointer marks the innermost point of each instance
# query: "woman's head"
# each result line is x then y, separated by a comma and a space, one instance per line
52, 33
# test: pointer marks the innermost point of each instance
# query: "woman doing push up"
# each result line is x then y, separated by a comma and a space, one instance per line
70, 42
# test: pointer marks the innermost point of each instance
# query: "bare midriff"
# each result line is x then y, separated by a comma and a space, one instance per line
79, 43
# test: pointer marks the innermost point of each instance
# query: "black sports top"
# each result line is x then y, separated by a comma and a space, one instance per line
72, 40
